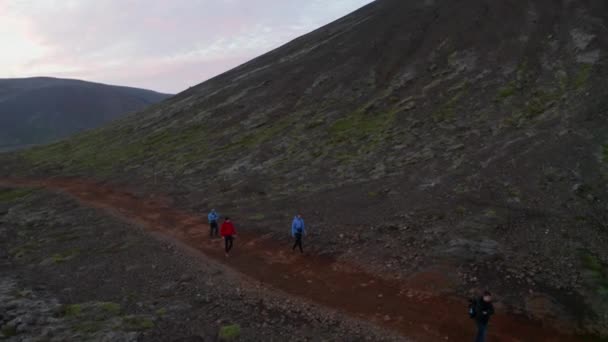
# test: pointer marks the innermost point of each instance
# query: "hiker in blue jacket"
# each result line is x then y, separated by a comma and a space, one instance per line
297, 230
213, 217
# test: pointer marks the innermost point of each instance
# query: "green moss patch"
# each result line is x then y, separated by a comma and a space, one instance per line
89, 327
259, 135
59, 258
597, 273
364, 129
447, 110
72, 310
9, 331
10, 195
508, 90
22, 251
540, 102
110, 308
136, 323
605, 153
360, 125
91, 317
229, 332
93, 310
490, 213
315, 123
257, 217
582, 76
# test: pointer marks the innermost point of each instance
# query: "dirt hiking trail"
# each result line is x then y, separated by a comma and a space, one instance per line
401, 306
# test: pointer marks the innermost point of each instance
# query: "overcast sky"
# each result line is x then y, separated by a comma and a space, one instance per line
164, 45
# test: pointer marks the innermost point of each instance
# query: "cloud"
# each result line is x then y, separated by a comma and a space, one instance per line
162, 45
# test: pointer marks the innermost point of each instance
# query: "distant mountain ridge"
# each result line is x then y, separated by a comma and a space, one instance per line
39, 110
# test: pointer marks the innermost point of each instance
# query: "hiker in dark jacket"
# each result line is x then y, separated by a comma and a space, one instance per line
228, 232
297, 230
483, 310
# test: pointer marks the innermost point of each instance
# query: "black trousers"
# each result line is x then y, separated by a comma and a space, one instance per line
228, 240
213, 228
482, 329
298, 242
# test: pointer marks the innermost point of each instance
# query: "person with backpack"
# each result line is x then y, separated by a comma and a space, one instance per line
213, 217
481, 309
297, 230
228, 233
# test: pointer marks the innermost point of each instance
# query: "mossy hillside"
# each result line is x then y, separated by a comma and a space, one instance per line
526, 100
252, 138
356, 134
185, 148
101, 152
171, 151
539, 99
536, 99
168, 151
447, 109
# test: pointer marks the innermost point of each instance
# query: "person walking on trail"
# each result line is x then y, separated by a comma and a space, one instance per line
297, 230
228, 233
213, 217
481, 310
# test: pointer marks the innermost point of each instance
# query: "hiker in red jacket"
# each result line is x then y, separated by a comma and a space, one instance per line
228, 233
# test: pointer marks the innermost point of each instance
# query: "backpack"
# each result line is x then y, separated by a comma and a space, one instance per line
472, 308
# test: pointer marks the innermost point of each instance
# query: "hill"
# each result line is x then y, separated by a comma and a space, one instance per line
468, 139
41, 109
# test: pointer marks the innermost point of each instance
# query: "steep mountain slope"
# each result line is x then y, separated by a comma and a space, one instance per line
469, 137
41, 109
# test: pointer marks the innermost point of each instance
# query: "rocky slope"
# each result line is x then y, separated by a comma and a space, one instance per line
42, 109
411, 134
